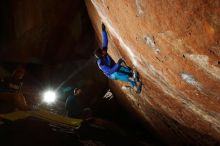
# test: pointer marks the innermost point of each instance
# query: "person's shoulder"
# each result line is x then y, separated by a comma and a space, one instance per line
99, 61
70, 97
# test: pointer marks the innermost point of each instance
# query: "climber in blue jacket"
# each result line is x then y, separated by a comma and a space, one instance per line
112, 70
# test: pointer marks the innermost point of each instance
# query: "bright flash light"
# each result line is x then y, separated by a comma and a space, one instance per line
49, 96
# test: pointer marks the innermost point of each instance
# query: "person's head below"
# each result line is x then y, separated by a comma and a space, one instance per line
18, 74
99, 53
77, 91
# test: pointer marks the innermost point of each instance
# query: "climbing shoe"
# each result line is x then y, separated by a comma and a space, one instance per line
135, 76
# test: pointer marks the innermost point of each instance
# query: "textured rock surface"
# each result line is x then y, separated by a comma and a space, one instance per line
45, 31
175, 46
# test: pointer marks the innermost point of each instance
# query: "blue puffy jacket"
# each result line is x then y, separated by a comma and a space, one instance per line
106, 63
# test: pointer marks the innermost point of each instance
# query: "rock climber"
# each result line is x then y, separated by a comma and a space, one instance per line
115, 71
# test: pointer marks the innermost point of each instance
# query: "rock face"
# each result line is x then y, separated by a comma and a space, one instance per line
175, 47
45, 31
